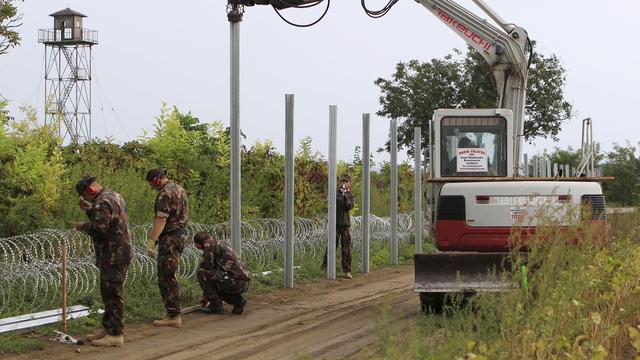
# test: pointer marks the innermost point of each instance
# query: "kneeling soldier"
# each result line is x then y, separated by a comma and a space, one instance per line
221, 274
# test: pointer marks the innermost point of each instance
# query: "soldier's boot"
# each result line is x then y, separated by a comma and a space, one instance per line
97, 335
215, 306
109, 340
172, 321
238, 306
348, 275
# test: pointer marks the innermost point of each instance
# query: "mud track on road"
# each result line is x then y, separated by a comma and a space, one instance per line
324, 319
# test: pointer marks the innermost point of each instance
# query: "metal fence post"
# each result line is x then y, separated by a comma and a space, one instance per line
394, 192
288, 192
331, 231
417, 145
366, 192
236, 229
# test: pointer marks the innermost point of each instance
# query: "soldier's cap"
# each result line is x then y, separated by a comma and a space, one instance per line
345, 177
154, 174
201, 236
84, 183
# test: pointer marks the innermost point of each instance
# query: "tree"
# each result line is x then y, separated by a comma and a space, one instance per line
624, 165
459, 80
176, 142
10, 21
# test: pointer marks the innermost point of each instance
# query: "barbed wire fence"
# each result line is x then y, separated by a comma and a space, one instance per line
31, 265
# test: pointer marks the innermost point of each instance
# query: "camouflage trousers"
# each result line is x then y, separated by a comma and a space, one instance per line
343, 237
112, 277
217, 289
170, 246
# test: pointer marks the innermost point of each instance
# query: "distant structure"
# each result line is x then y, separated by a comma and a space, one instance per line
68, 75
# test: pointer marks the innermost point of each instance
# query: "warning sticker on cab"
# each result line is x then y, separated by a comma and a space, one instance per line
472, 160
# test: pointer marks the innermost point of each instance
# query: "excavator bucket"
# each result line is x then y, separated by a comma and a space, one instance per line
462, 272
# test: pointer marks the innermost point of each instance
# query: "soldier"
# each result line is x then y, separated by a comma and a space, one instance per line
109, 230
344, 204
169, 233
221, 274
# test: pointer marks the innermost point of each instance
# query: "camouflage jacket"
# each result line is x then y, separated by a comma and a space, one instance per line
344, 204
218, 256
172, 203
109, 228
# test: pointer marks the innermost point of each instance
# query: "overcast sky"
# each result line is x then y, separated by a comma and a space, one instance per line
178, 52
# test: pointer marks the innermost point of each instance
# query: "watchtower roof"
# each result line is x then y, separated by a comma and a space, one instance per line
67, 12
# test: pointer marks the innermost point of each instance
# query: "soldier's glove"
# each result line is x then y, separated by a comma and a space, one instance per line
204, 301
151, 247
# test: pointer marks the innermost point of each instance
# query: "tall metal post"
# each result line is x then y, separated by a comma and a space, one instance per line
331, 224
366, 192
394, 192
234, 15
417, 169
288, 193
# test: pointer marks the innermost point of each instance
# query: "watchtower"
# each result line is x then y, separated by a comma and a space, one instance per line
68, 75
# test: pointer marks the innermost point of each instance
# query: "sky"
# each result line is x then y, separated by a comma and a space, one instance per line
178, 53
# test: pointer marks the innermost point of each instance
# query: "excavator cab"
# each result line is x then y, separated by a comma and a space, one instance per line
472, 143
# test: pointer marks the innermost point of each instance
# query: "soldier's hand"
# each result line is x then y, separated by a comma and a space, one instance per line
204, 301
151, 248
79, 225
84, 204
202, 273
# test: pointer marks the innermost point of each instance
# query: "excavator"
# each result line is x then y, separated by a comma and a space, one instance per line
478, 195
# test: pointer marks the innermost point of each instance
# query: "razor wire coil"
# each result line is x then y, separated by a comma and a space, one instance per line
31, 264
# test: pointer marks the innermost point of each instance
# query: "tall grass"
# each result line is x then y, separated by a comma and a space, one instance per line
582, 302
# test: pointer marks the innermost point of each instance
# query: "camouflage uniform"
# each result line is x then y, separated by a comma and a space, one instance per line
344, 204
222, 275
171, 203
109, 230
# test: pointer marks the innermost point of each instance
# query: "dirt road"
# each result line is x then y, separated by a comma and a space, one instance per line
326, 319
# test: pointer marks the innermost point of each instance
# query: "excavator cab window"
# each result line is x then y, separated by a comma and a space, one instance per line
473, 146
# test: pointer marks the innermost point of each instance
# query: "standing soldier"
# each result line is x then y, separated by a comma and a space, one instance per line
344, 204
109, 230
169, 233
221, 274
